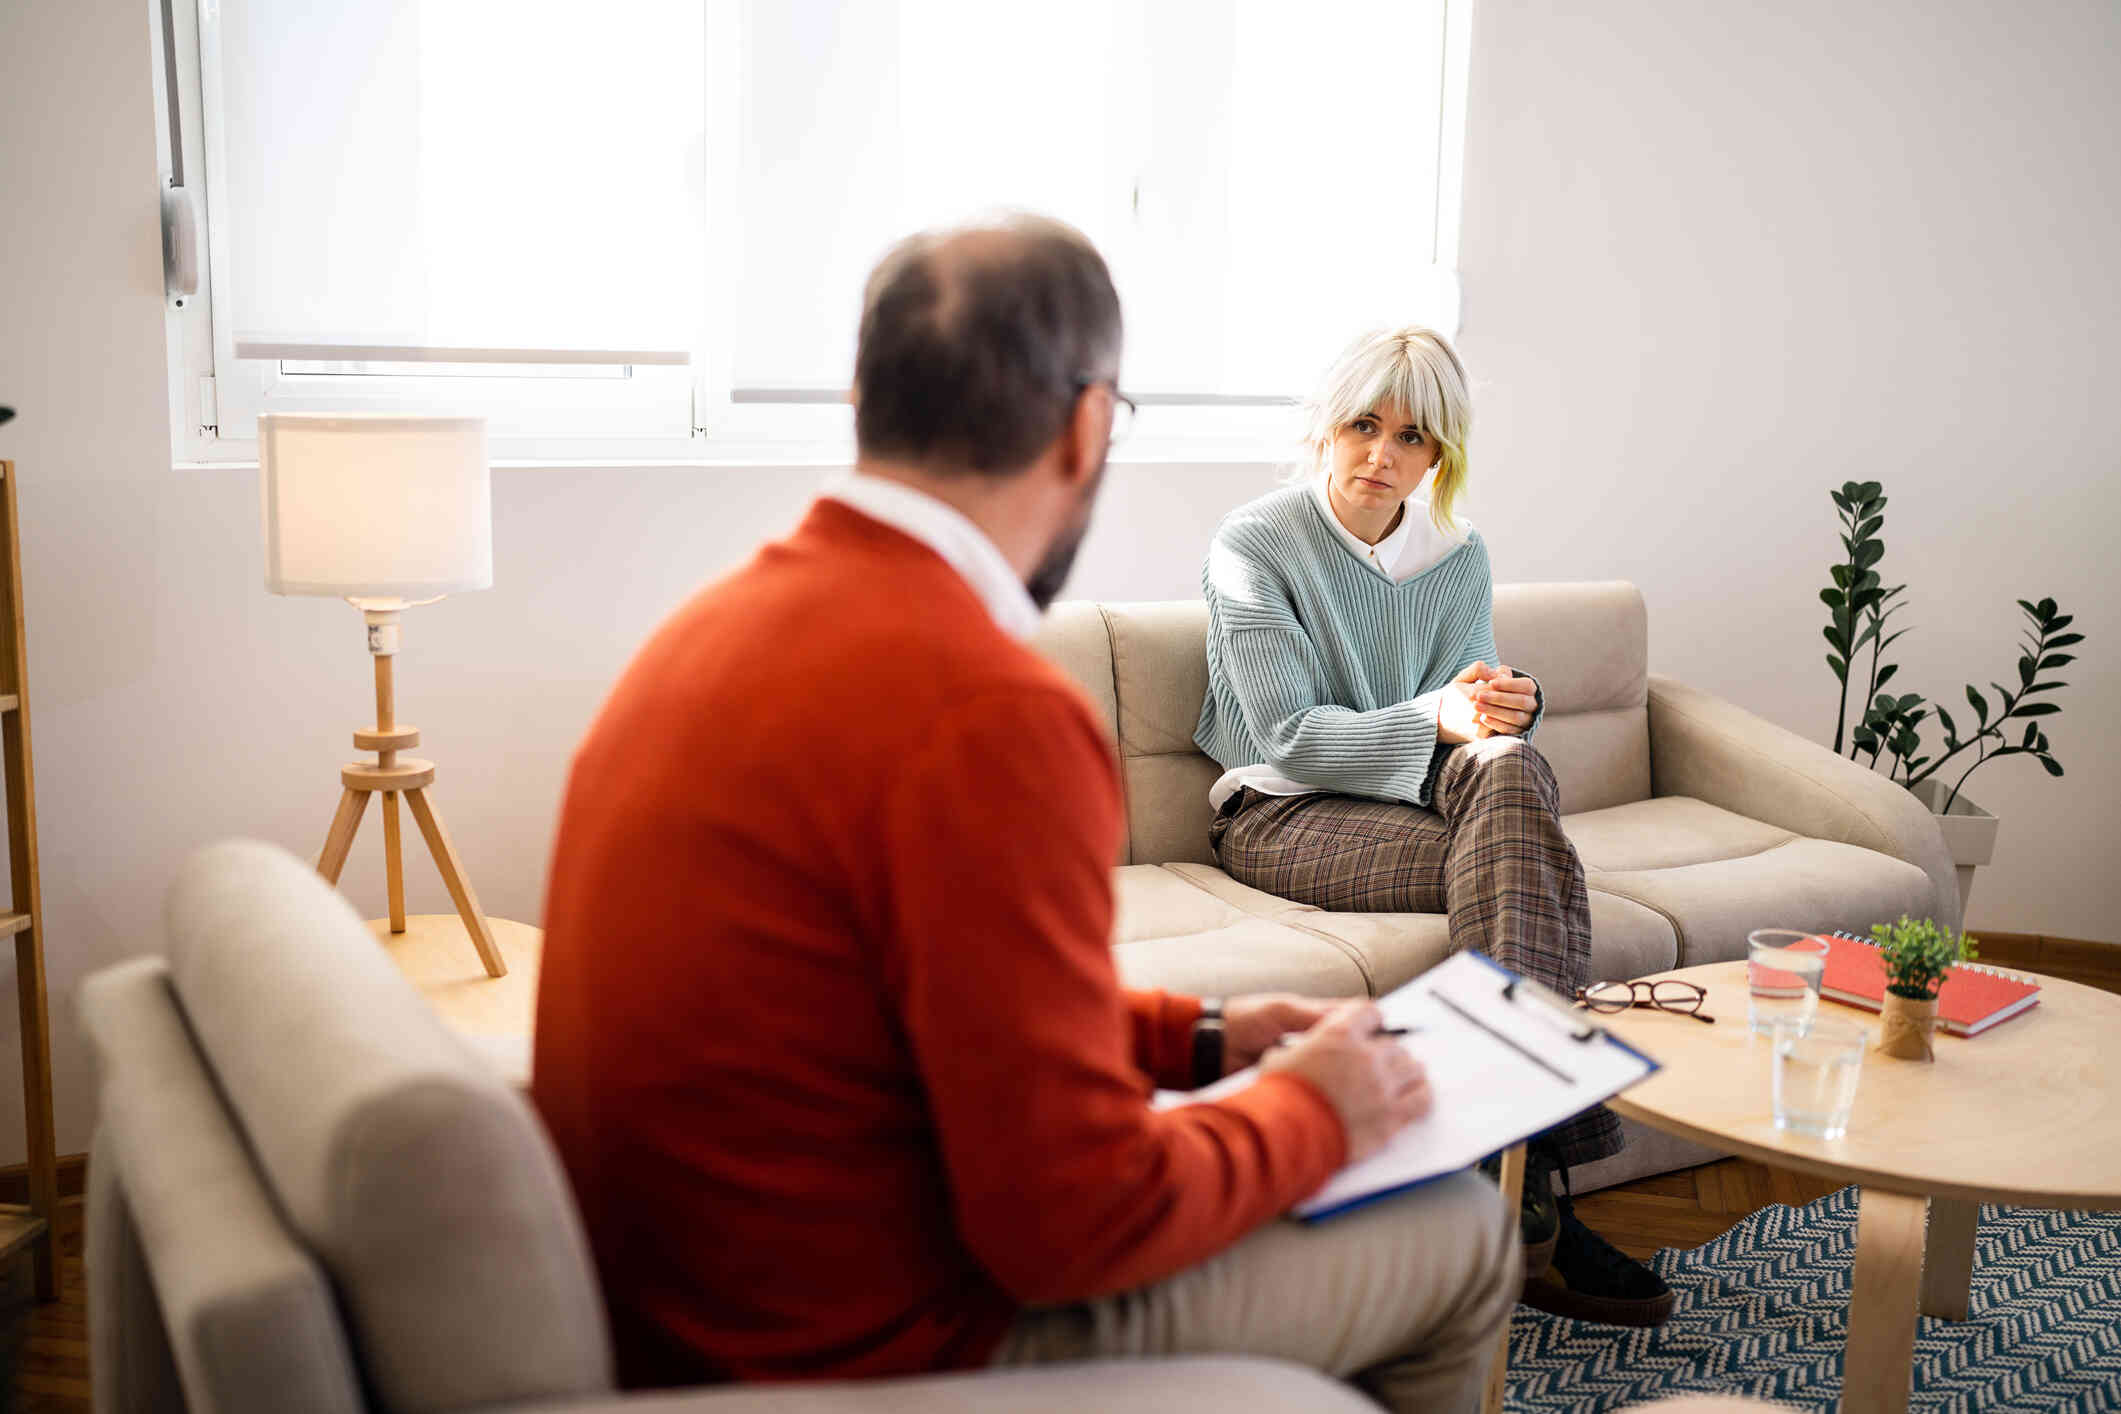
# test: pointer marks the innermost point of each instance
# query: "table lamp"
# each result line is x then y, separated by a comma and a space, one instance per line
385, 512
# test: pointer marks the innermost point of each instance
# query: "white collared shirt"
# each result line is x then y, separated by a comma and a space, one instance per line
946, 530
1414, 545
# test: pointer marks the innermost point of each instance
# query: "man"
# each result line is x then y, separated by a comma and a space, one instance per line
829, 1035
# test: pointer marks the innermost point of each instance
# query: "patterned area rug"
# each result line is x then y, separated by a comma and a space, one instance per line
1763, 1310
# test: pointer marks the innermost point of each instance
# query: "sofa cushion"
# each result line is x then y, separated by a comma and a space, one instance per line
1589, 646
1191, 904
1173, 934
419, 1179
1813, 885
1666, 833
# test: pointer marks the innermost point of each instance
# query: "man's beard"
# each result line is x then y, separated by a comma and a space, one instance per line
1045, 582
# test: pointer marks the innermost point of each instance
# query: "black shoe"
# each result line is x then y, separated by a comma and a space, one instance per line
1592, 1280
1538, 1211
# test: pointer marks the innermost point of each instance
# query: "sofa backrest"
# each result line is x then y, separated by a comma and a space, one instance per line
418, 1181
1145, 668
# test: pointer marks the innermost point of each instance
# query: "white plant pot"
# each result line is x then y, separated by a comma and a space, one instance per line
1969, 833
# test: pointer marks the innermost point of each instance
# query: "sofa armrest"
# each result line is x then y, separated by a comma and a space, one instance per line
1193, 1385
1704, 747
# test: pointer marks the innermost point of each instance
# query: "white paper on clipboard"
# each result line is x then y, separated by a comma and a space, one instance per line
1506, 1059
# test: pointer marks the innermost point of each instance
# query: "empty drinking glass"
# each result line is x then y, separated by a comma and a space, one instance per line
1782, 973
1817, 1065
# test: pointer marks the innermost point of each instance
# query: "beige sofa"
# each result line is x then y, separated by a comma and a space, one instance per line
1696, 821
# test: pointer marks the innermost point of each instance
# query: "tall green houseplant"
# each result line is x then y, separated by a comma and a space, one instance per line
1889, 727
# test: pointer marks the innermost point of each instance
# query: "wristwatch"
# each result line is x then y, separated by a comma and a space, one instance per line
1208, 1043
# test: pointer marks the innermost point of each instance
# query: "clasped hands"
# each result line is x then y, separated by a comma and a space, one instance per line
1372, 1081
1482, 702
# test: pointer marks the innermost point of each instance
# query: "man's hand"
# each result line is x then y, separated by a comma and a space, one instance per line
1252, 1024
1373, 1082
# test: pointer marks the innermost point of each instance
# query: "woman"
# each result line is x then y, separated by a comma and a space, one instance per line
1377, 757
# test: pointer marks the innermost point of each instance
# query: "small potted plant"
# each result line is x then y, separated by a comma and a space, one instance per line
1917, 956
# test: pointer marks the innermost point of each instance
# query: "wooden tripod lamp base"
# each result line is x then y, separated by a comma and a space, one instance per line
390, 777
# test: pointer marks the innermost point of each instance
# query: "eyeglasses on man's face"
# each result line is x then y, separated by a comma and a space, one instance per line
1684, 998
1123, 408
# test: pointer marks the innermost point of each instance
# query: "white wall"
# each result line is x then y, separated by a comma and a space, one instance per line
1720, 258
1713, 267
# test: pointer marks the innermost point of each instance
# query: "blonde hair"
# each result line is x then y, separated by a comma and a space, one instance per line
1414, 368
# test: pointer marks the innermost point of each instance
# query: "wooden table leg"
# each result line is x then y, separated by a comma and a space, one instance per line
1511, 1182
1878, 1364
1948, 1263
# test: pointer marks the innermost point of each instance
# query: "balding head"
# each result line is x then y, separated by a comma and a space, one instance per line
975, 344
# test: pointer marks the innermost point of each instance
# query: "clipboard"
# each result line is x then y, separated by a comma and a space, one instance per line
1507, 1058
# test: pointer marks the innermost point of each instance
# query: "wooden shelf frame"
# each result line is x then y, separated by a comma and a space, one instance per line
24, 919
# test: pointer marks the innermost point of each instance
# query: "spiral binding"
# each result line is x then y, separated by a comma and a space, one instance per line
2003, 973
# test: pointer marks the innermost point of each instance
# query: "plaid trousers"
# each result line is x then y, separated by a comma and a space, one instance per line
1489, 854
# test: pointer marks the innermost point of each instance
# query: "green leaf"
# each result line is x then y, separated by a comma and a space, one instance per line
1886, 672
1886, 702
1866, 738
2032, 729
1869, 553
1887, 641
1869, 528
2056, 660
1841, 669
2064, 640
2045, 687
1843, 499
2025, 668
2036, 709
1946, 718
1980, 707
1848, 543
2047, 608
1833, 598
1842, 575
2061, 621
2054, 767
1867, 580
2027, 605
1869, 491
1910, 699
1836, 639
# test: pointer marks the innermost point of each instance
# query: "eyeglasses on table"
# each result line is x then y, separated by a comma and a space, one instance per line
1684, 998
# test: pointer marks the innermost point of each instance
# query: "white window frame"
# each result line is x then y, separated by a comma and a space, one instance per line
661, 414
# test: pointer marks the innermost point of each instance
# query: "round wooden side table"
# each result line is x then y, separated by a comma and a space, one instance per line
2027, 1113
494, 1014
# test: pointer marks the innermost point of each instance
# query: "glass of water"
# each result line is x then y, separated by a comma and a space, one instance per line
1783, 969
1817, 1065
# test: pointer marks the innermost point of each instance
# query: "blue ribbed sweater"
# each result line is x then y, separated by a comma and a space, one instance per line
1322, 668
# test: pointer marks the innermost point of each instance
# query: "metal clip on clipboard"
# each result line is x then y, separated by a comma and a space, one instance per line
1554, 1008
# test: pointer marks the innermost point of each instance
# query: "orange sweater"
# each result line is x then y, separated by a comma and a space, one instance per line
828, 1034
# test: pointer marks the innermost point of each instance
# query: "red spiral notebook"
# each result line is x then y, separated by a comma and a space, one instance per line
1972, 999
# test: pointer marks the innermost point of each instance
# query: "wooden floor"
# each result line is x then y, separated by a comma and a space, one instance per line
44, 1349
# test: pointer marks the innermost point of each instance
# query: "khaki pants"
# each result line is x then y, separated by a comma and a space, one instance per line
1405, 1298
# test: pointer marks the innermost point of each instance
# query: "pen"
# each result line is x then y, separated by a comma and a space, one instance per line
1289, 1037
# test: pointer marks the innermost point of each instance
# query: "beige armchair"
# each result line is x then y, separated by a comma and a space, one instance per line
1696, 821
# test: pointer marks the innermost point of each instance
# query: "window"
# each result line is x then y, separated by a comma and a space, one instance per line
640, 230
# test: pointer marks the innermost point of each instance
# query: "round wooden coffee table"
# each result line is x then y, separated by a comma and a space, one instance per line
2027, 1113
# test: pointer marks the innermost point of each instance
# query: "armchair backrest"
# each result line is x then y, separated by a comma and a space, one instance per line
375, 1158
1145, 667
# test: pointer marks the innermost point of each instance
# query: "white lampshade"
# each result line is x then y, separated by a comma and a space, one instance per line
376, 506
